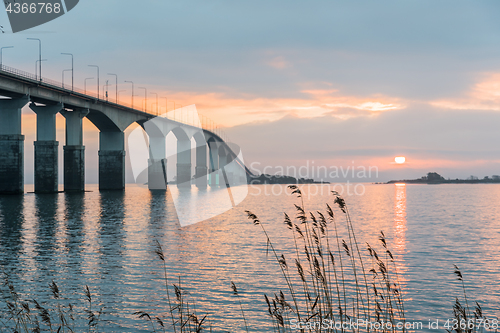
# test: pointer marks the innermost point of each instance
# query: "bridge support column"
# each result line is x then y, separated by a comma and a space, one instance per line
111, 161
201, 167
184, 163
157, 163
225, 175
46, 154
214, 164
11, 146
74, 151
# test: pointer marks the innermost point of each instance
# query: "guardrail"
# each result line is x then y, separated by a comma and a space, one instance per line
181, 115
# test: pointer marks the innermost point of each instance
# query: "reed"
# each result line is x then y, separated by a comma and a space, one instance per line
465, 320
55, 315
329, 281
235, 292
181, 311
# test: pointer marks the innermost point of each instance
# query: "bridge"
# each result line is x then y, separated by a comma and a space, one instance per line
47, 98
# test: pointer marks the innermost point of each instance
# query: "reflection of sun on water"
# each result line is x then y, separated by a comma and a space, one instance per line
400, 218
400, 226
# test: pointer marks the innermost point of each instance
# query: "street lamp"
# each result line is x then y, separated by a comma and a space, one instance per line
156, 102
66, 70
107, 85
97, 78
85, 84
166, 105
118, 94
116, 90
72, 69
1, 49
39, 55
145, 98
36, 66
132, 92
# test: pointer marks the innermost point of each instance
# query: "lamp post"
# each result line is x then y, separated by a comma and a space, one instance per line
132, 92
36, 66
1, 51
72, 69
66, 70
116, 90
85, 83
39, 55
156, 102
107, 86
145, 98
105, 90
118, 94
97, 78
166, 105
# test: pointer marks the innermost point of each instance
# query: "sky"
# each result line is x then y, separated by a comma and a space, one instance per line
296, 83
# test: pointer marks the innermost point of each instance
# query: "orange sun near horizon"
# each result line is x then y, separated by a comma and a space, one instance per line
400, 159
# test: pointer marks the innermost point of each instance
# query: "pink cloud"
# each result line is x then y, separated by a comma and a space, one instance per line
484, 95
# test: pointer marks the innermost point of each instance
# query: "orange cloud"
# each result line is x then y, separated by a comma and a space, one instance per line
230, 111
485, 95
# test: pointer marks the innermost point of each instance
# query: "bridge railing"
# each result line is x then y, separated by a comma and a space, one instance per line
181, 115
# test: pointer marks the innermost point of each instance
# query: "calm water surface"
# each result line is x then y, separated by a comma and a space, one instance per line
106, 240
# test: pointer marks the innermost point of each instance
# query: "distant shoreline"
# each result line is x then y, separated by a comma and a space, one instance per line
448, 181
435, 178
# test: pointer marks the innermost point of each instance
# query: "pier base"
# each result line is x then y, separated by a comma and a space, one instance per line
184, 174
157, 175
111, 160
214, 164
46, 166
111, 169
11, 164
201, 179
74, 168
11, 146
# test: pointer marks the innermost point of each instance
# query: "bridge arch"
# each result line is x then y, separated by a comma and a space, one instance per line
111, 126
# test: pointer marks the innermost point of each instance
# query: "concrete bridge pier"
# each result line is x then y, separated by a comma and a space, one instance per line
74, 151
201, 169
46, 153
183, 163
157, 163
225, 174
111, 160
11, 146
214, 163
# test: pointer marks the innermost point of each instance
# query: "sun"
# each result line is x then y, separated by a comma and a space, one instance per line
400, 159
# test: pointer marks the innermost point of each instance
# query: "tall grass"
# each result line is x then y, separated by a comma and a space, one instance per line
182, 316
329, 280
56, 315
465, 320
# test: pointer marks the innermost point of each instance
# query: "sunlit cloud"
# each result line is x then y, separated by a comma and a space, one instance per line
228, 110
484, 95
